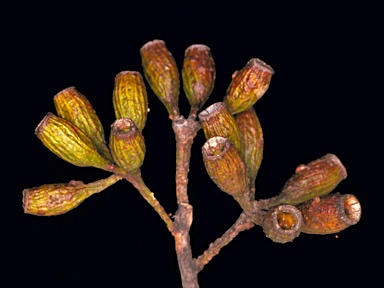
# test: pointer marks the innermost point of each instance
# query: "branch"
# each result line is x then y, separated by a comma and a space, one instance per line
241, 224
252, 214
139, 184
185, 132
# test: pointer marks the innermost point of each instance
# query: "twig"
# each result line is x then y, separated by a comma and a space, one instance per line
139, 184
241, 224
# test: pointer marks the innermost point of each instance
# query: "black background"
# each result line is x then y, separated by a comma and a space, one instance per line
321, 100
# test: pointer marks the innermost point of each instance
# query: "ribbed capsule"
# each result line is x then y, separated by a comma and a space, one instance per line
252, 137
248, 85
315, 179
330, 213
161, 72
225, 166
75, 107
127, 145
130, 98
217, 121
56, 199
198, 74
69, 142
282, 224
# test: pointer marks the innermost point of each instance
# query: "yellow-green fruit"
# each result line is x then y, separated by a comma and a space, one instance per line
248, 85
69, 142
161, 72
127, 145
75, 107
282, 224
330, 213
217, 121
199, 74
225, 166
252, 137
130, 98
56, 199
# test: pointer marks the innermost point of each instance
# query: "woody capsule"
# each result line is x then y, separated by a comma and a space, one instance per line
161, 72
127, 145
217, 121
315, 179
251, 136
56, 199
248, 85
283, 223
330, 213
73, 106
130, 98
225, 166
69, 142
198, 74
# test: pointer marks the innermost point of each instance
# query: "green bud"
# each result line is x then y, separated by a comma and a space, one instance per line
199, 75
217, 121
68, 142
252, 137
282, 224
225, 166
127, 145
75, 107
56, 199
161, 72
248, 85
130, 98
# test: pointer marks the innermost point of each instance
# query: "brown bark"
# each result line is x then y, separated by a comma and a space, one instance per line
185, 131
241, 224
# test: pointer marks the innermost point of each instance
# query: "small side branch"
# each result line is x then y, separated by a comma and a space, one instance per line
241, 224
139, 184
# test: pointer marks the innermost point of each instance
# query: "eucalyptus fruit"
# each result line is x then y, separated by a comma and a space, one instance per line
75, 107
248, 85
161, 72
225, 166
330, 214
130, 98
198, 74
56, 199
217, 121
232, 154
127, 144
69, 142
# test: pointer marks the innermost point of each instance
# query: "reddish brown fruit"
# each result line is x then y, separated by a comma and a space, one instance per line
161, 72
282, 223
330, 214
248, 85
315, 179
217, 121
225, 166
252, 138
198, 75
